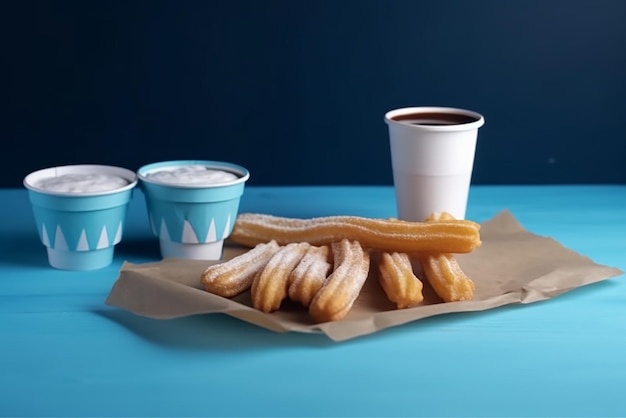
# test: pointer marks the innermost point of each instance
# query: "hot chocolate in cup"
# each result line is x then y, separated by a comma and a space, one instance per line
432, 155
192, 205
80, 212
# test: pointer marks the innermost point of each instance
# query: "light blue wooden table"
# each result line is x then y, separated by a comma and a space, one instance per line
63, 352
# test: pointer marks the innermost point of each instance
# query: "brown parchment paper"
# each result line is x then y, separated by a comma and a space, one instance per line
511, 266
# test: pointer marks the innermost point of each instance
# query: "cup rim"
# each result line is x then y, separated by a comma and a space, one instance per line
480, 120
241, 172
129, 175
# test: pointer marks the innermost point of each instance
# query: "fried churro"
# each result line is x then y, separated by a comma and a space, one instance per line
444, 273
397, 279
234, 276
339, 292
453, 236
309, 275
271, 283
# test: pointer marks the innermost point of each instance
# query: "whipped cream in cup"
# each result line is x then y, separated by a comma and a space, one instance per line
80, 212
192, 205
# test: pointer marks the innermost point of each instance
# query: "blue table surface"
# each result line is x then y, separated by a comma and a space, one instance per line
63, 352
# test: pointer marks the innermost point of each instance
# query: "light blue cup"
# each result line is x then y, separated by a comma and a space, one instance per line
80, 228
192, 220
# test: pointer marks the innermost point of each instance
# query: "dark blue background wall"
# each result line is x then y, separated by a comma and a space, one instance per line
296, 90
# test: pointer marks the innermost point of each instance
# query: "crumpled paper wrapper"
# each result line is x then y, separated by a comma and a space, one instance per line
511, 266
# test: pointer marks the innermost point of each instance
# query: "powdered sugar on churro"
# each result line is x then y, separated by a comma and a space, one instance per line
444, 273
339, 292
397, 279
270, 285
452, 236
341, 246
309, 275
235, 276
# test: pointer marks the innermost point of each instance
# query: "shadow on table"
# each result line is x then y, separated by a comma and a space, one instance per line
22, 250
222, 332
209, 332
27, 250
138, 248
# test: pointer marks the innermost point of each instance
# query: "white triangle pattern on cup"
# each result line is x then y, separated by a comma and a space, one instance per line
60, 243
44, 236
103, 242
211, 236
118, 234
226, 228
164, 235
189, 237
82, 245
59, 240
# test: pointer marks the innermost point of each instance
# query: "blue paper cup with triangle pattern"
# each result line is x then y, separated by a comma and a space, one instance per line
80, 212
192, 205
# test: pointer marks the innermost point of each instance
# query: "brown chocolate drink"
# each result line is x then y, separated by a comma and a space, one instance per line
435, 119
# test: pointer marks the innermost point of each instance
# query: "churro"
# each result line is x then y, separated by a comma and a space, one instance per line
271, 283
339, 292
397, 279
309, 275
444, 273
234, 276
453, 236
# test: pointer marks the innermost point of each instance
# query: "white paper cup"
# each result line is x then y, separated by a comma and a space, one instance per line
192, 219
432, 156
80, 222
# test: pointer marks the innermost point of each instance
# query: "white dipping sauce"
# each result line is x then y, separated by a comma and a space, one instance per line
198, 175
82, 183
